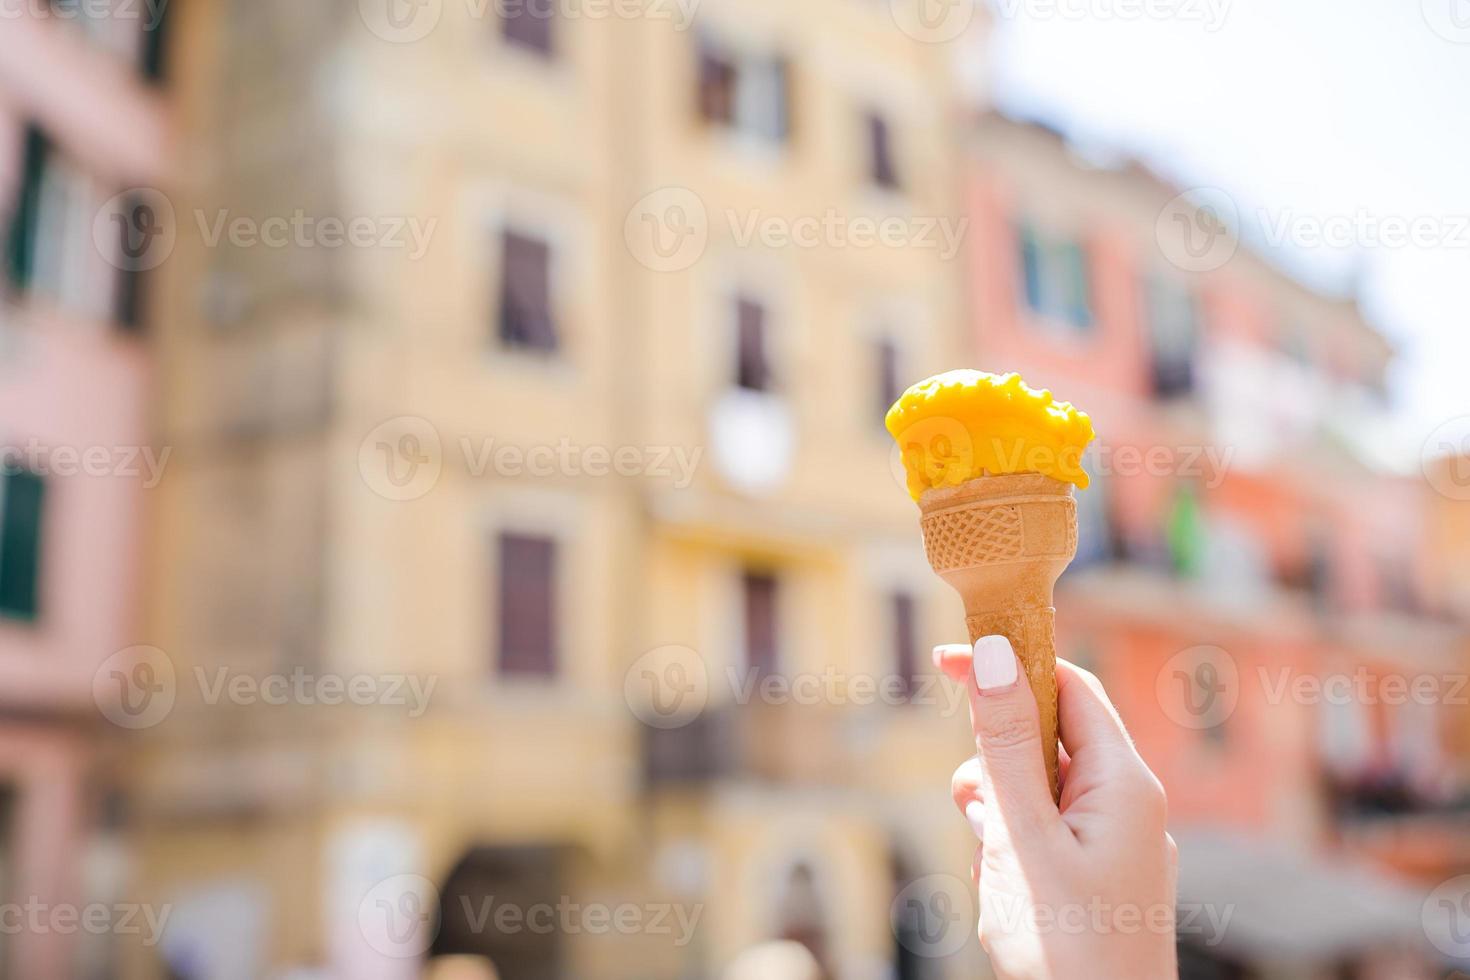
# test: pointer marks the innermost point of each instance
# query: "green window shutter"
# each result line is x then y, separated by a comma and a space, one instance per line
22, 495
1186, 534
25, 212
1031, 267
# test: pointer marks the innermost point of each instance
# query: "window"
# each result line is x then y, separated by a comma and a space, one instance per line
1055, 278
22, 241
527, 24
759, 590
22, 496
752, 364
1173, 337
889, 386
748, 93
880, 153
905, 641
526, 321
527, 605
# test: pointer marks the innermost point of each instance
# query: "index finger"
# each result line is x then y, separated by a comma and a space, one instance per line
1089, 724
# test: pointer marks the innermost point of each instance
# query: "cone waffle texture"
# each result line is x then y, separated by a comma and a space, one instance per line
1001, 542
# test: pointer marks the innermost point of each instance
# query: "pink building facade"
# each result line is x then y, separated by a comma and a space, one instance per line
1249, 587
82, 120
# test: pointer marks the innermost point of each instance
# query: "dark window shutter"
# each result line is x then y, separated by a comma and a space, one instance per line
129, 302
760, 622
153, 58
752, 369
129, 287
525, 294
1173, 335
905, 641
716, 87
22, 496
880, 153
527, 605
25, 211
529, 25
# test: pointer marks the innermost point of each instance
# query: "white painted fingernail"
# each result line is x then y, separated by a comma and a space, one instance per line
975, 813
995, 664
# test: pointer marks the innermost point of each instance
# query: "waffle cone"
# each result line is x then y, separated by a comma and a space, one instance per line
1001, 542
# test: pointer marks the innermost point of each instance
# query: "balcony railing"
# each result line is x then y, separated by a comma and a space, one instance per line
786, 743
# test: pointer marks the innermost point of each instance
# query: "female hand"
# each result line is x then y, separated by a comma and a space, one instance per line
1084, 891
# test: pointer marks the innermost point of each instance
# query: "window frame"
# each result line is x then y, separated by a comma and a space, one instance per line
758, 86
1056, 278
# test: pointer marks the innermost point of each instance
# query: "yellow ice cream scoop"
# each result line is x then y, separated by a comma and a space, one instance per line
962, 425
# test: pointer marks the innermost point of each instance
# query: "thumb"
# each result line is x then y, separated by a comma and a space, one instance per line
1008, 735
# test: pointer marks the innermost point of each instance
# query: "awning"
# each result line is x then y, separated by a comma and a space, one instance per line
1285, 906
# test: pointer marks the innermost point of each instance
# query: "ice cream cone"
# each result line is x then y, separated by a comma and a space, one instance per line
1001, 542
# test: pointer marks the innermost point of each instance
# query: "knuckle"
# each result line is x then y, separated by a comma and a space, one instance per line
1010, 731
1152, 795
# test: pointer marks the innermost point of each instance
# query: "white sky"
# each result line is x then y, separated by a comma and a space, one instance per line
1304, 111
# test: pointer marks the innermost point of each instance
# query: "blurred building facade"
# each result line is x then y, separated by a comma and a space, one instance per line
657, 242
1256, 597
83, 118
719, 505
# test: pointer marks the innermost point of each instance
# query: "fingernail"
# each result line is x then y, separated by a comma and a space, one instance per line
975, 813
995, 664
948, 649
